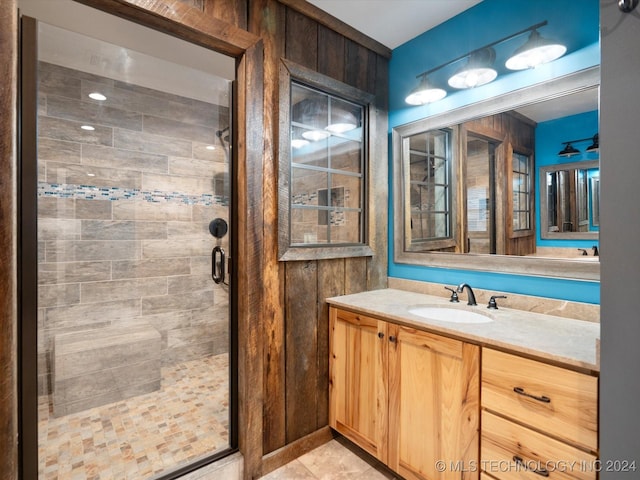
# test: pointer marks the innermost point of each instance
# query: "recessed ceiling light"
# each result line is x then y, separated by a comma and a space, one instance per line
87, 127
97, 96
210, 147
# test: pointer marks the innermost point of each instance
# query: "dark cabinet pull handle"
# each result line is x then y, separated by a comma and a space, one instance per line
520, 391
380, 335
392, 338
543, 472
217, 264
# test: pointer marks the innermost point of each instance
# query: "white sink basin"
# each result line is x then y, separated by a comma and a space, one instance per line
452, 315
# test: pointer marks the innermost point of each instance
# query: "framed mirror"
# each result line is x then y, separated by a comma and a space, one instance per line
569, 200
465, 186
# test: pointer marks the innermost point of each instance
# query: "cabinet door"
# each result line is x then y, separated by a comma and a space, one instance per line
434, 406
358, 380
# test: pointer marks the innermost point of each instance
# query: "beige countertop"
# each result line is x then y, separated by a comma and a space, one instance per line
561, 340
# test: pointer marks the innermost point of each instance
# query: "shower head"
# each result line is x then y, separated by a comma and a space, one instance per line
219, 134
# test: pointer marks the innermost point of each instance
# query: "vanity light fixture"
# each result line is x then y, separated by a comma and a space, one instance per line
479, 68
569, 150
425, 93
536, 51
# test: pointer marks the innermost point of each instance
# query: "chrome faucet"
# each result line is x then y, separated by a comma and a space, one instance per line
470, 295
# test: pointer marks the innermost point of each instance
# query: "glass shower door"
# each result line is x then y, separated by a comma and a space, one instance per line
133, 332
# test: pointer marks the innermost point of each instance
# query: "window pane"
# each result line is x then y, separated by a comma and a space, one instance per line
521, 192
346, 155
429, 177
327, 171
305, 184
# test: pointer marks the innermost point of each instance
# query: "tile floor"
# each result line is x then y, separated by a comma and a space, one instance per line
335, 460
140, 437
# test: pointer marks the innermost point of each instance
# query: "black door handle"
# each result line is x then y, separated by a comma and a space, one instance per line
217, 264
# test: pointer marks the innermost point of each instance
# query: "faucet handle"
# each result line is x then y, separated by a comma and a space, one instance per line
454, 295
492, 301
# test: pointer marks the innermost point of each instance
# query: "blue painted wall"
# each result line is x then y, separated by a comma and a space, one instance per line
576, 23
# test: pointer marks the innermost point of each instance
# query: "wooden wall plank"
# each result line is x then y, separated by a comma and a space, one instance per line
268, 21
355, 275
301, 40
377, 265
360, 67
330, 284
249, 262
331, 53
301, 328
8, 252
339, 26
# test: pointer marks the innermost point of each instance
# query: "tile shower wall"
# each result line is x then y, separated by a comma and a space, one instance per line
123, 214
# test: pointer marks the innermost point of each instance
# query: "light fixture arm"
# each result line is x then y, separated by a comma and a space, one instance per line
627, 6
489, 45
576, 141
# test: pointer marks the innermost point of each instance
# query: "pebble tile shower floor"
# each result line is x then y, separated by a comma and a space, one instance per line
141, 437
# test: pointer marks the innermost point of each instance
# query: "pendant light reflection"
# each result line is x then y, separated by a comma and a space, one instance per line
569, 150
535, 51
297, 143
595, 146
321, 117
342, 119
425, 93
478, 70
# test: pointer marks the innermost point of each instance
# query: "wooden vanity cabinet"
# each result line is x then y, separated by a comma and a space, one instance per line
538, 420
358, 382
408, 397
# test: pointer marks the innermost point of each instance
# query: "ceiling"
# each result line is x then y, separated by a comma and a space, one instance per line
393, 22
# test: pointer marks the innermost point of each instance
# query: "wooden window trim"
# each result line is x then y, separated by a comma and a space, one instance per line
510, 213
289, 70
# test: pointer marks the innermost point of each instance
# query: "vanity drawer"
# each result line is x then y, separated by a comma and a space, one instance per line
510, 451
554, 400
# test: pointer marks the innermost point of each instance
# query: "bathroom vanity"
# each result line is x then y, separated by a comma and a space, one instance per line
437, 390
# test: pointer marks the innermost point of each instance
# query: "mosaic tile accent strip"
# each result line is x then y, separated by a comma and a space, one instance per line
142, 436
90, 192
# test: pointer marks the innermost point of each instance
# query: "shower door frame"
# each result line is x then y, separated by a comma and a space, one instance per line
245, 170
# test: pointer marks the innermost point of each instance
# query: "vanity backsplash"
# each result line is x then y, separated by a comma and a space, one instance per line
561, 308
